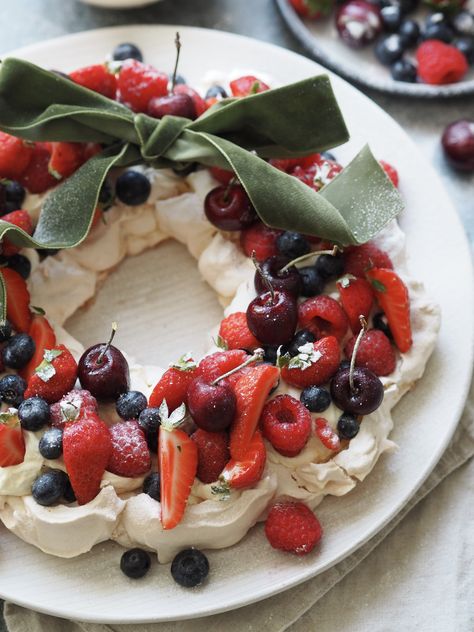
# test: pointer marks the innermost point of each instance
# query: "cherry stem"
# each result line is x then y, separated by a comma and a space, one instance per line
256, 357
309, 255
265, 278
106, 348
364, 326
229, 186
177, 43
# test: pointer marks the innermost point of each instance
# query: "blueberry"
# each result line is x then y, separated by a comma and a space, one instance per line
14, 194
190, 568
292, 245
49, 487
439, 31
33, 413
132, 188
311, 281
69, 495
129, 405
407, 6
47, 252
18, 351
391, 17
216, 92
463, 23
299, 339
347, 426
149, 421
315, 398
403, 70
51, 443
466, 46
379, 321
127, 51
329, 266
388, 49
135, 563
19, 263
270, 353
151, 486
106, 196
5, 331
12, 388
409, 32
436, 18
328, 155
178, 80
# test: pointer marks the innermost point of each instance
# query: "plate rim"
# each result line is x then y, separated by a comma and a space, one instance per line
370, 531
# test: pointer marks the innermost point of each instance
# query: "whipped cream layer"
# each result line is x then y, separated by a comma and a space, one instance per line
175, 209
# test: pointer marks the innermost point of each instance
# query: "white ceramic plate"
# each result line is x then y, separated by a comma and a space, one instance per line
91, 587
321, 40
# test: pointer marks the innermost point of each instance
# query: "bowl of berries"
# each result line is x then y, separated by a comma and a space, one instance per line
420, 48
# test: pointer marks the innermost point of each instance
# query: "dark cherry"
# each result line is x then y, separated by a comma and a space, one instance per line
212, 406
229, 208
458, 144
106, 377
358, 23
366, 396
172, 105
273, 319
288, 281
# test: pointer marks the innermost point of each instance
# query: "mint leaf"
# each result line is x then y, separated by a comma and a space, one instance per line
185, 363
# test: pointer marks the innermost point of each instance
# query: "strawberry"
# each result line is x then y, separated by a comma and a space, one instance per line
323, 316
55, 376
96, 78
18, 300
312, 9
328, 437
77, 404
221, 175
138, 83
178, 461
235, 333
359, 259
261, 240
86, 451
213, 366
36, 177
249, 469
390, 171
374, 353
12, 444
213, 454
317, 174
65, 159
91, 149
199, 104
314, 365
286, 423
44, 338
130, 456
22, 220
244, 86
251, 391
357, 299
173, 384
284, 164
392, 296
292, 527
15, 155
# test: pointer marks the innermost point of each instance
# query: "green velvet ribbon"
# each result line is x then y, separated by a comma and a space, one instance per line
237, 134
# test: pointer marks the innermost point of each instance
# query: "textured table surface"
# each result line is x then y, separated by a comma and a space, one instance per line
27, 21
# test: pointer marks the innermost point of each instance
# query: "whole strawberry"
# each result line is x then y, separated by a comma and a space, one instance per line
314, 365
130, 456
12, 444
15, 155
22, 220
213, 454
87, 447
173, 384
293, 527
55, 376
235, 333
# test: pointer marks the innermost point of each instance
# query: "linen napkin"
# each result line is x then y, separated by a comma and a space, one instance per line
297, 608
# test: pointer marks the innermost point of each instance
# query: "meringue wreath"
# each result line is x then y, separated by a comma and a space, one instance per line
284, 435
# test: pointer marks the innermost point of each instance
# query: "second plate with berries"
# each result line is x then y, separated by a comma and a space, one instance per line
383, 44
165, 310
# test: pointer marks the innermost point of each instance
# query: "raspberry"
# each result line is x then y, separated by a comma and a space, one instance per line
234, 330
375, 352
138, 83
320, 371
440, 63
21, 219
357, 299
293, 527
326, 435
284, 164
359, 259
96, 78
77, 404
213, 454
390, 171
213, 366
286, 423
261, 240
15, 155
130, 456
316, 172
323, 316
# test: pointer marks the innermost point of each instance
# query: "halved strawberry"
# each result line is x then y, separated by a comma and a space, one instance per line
244, 86
65, 159
36, 177
249, 469
251, 391
44, 337
15, 155
178, 461
12, 444
22, 220
18, 300
328, 437
173, 384
392, 296
357, 299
